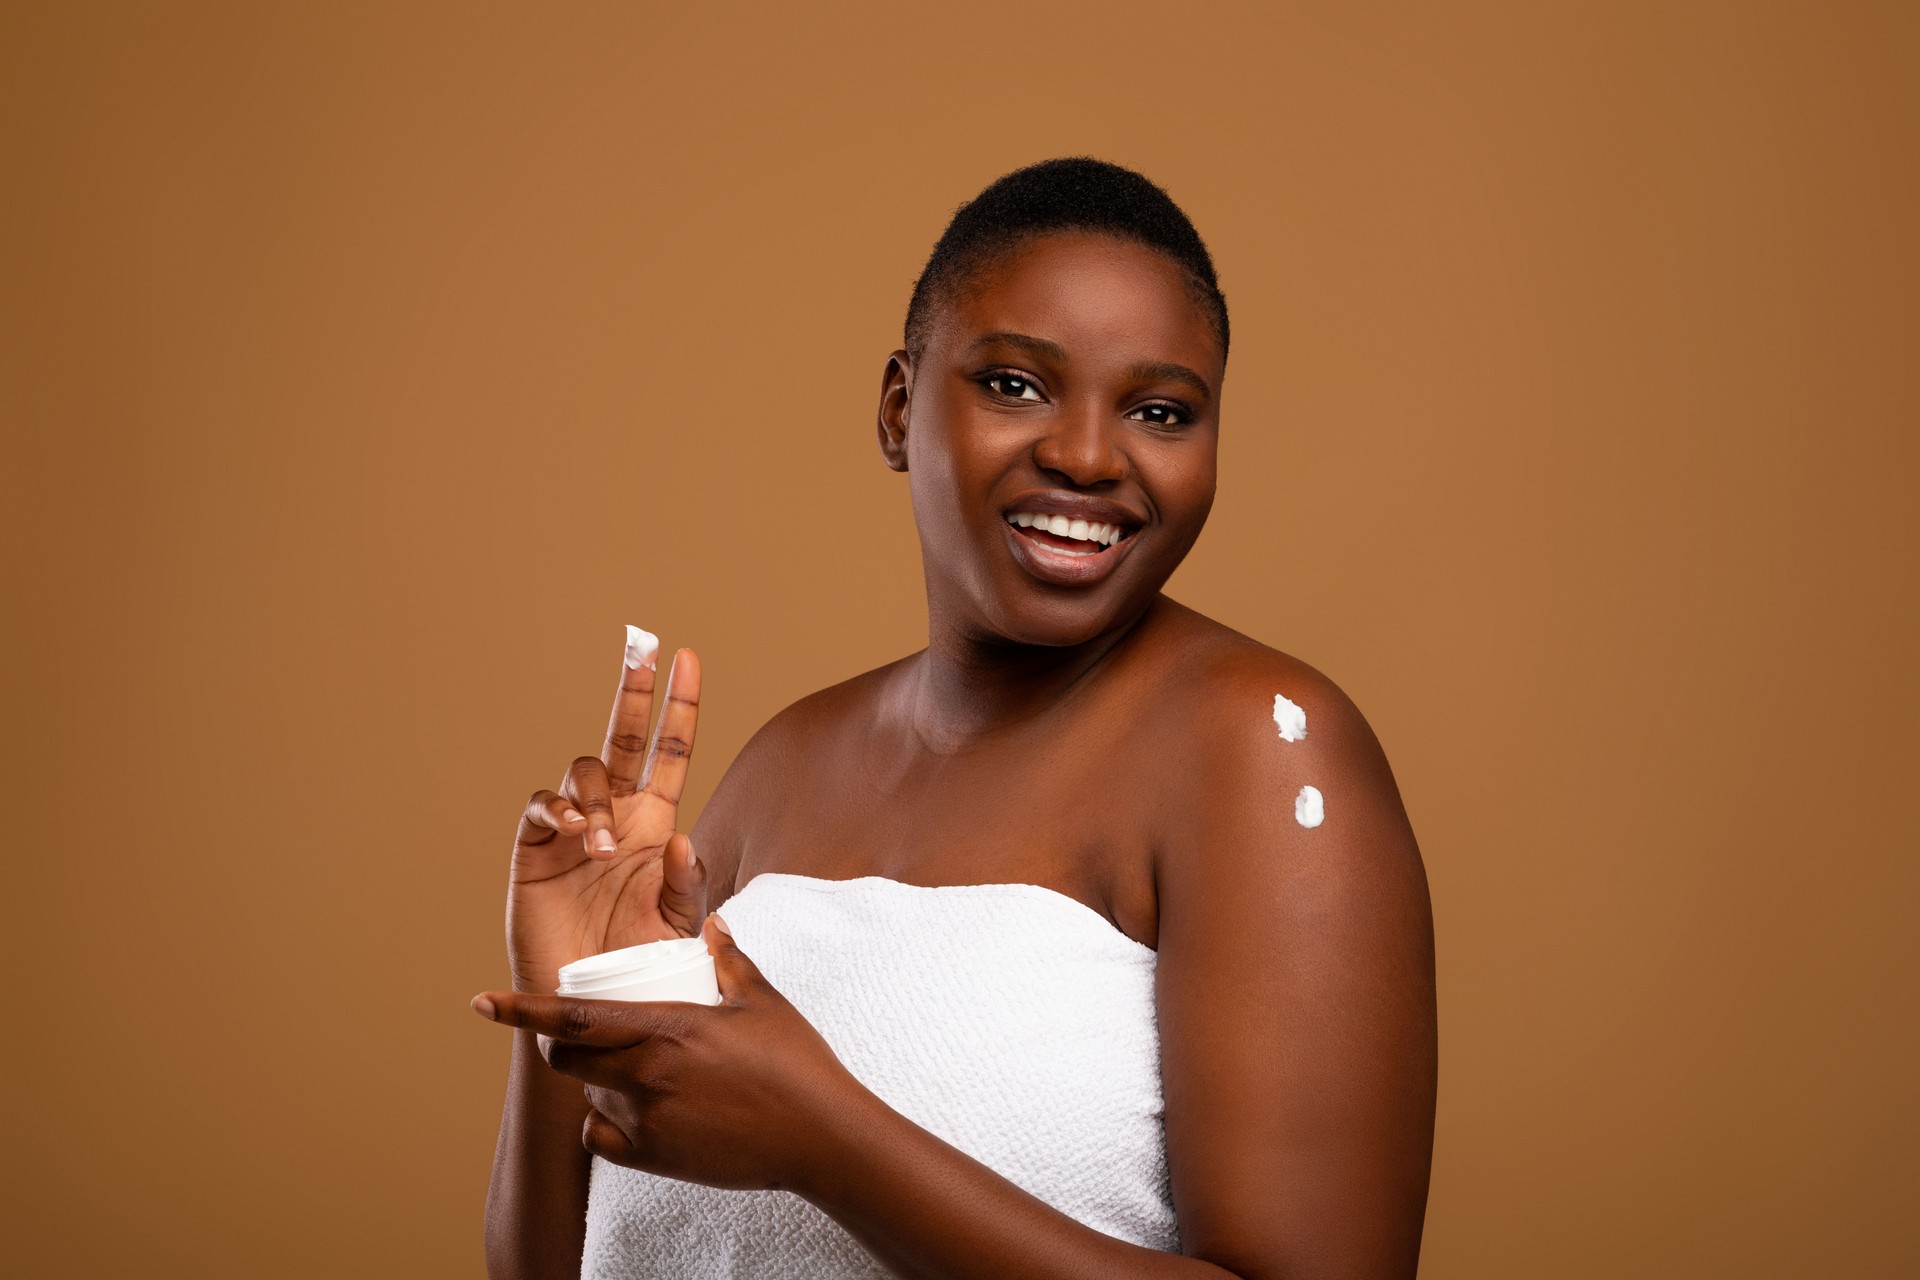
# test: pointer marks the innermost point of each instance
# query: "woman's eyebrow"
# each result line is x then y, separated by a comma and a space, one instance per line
1167, 371
1037, 346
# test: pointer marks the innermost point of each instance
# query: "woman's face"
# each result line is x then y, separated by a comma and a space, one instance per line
1075, 379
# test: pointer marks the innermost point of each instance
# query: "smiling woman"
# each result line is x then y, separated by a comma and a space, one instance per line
1030, 963
983, 393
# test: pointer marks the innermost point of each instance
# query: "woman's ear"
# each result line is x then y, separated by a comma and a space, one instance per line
896, 395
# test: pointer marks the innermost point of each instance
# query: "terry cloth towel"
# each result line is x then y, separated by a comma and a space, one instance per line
1011, 1020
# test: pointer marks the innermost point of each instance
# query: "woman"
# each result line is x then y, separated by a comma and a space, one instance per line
1090, 940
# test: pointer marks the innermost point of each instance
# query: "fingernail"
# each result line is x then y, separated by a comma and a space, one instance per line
693, 858
720, 923
643, 647
573, 815
603, 841
484, 1007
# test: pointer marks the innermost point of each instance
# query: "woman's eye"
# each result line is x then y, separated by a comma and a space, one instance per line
1160, 415
1013, 386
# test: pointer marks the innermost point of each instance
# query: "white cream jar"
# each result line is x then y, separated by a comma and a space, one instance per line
676, 969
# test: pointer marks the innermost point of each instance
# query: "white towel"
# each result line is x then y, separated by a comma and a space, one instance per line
1009, 1019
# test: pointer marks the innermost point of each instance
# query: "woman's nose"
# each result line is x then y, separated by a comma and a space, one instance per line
1079, 446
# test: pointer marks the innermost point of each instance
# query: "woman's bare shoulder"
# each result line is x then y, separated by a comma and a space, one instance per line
780, 758
1211, 673
1237, 706
797, 731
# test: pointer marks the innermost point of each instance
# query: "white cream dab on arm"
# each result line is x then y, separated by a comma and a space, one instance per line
1308, 808
643, 647
1290, 718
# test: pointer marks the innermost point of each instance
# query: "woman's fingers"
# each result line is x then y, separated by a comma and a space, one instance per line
733, 968
628, 760
548, 814
625, 750
683, 886
610, 1068
666, 771
587, 786
603, 1138
594, 1024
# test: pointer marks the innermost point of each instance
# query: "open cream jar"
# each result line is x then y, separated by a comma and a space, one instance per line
676, 969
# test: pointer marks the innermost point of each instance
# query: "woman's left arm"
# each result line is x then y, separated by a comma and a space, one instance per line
1296, 1011
1296, 991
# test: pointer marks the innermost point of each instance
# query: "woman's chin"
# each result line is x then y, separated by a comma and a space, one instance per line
1059, 624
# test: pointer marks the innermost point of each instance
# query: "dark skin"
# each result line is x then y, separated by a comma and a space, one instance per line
1070, 726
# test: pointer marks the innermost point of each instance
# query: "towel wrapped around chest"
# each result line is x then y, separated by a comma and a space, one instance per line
1011, 1020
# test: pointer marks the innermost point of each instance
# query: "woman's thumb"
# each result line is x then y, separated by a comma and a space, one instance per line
731, 967
683, 881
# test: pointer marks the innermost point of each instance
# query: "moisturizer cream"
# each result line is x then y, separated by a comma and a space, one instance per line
1308, 808
643, 647
1290, 718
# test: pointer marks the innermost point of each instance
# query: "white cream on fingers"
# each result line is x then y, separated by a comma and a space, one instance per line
643, 647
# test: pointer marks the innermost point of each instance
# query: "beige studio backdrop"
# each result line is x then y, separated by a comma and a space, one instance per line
366, 368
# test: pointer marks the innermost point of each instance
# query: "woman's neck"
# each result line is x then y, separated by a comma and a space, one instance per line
966, 686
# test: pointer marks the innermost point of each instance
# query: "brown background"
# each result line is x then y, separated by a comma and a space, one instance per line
364, 371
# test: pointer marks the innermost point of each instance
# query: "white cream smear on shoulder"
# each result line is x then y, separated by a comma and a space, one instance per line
1308, 808
1289, 717
643, 647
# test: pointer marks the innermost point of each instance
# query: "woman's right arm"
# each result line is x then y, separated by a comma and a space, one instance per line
596, 866
537, 1200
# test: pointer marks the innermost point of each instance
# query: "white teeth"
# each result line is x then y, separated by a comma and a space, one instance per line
1083, 530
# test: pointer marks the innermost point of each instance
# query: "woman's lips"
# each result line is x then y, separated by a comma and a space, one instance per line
1067, 562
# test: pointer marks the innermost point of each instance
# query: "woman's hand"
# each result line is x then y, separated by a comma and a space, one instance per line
597, 865
734, 1095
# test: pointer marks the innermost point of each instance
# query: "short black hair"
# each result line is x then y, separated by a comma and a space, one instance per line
1072, 193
